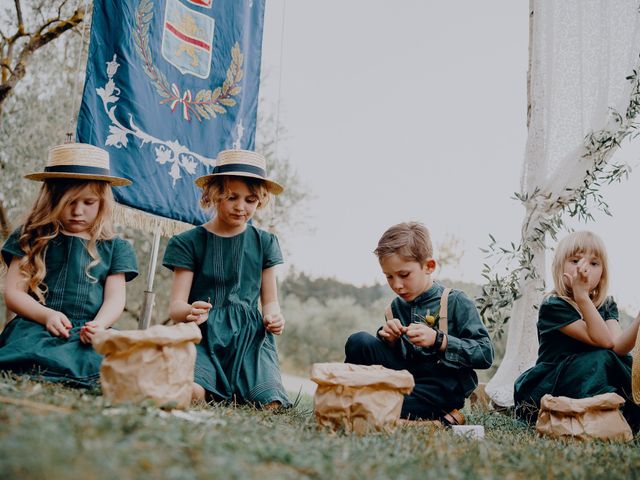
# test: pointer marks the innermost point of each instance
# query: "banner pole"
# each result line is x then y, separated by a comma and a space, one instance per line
149, 296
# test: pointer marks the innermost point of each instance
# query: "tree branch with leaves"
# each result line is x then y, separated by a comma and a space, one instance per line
546, 213
29, 30
26, 27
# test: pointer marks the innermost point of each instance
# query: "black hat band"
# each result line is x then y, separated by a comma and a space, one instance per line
239, 167
82, 169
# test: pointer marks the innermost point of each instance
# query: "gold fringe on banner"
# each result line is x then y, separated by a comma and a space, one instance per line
148, 222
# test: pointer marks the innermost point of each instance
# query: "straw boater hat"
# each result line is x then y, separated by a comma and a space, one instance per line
241, 163
80, 161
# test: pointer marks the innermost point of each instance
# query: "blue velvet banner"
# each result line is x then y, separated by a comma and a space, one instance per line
169, 84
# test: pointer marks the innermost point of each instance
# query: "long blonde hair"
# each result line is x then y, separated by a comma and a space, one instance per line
43, 224
580, 243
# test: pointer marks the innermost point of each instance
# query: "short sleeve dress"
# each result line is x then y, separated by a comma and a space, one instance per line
571, 368
237, 358
27, 347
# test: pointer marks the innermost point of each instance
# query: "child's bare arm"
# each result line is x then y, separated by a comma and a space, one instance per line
115, 296
592, 329
272, 316
19, 301
180, 310
626, 340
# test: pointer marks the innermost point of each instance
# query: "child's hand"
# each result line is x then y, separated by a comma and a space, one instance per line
421, 335
199, 312
578, 280
58, 325
392, 330
88, 330
274, 323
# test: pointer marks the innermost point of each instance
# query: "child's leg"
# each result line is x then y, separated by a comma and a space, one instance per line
436, 394
631, 413
417, 408
362, 348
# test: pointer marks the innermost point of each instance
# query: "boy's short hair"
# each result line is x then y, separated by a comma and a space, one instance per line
410, 240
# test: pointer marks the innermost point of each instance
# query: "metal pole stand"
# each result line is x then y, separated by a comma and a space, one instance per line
149, 296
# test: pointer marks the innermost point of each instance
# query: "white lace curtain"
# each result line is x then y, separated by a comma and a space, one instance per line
581, 53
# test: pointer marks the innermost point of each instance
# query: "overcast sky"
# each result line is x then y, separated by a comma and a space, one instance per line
413, 110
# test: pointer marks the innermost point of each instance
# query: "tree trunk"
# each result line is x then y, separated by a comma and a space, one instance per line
5, 225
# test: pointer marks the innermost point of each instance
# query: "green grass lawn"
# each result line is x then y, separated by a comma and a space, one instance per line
52, 432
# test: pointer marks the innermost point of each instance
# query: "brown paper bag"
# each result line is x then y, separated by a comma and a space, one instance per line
155, 364
584, 418
359, 398
635, 370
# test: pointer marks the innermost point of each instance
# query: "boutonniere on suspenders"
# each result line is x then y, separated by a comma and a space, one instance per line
439, 321
429, 319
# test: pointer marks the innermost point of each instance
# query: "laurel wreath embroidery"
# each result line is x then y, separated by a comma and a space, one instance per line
170, 153
206, 104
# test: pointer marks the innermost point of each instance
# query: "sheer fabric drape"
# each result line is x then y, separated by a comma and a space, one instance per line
581, 53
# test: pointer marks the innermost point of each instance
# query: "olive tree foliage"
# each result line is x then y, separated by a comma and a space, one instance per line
37, 65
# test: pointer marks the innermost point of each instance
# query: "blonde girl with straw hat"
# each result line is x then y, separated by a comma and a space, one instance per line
583, 351
224, 280
66, 270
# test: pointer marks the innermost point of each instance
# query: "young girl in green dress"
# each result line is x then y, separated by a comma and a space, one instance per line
583, 351
66, 270
223, 271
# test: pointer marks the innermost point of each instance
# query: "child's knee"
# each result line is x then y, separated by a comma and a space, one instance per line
357, 345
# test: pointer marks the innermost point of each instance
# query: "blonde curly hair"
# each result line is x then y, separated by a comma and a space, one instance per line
217, 188
43, 223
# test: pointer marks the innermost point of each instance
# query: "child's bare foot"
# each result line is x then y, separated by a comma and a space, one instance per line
197, 393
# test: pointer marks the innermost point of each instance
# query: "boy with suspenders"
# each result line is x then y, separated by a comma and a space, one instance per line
433, 332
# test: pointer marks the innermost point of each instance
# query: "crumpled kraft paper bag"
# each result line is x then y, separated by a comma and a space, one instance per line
584, 418
635, 371
359, 398
154, 364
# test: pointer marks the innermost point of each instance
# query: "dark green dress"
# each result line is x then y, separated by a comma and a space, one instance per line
237, 358
568, 367
27, 347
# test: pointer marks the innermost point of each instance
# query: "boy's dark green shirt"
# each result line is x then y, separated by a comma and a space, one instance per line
469, 345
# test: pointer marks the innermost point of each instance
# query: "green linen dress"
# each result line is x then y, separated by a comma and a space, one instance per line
237, 358
27, 347
571, 368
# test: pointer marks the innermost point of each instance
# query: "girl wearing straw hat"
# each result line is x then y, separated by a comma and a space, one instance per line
223, 271
66, 270
583, 351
